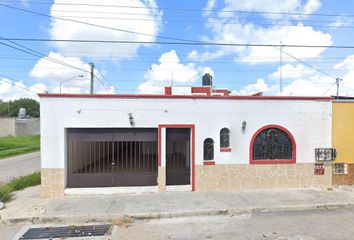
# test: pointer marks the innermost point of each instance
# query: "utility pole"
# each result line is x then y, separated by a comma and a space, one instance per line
337, 83
280, 69
92, 75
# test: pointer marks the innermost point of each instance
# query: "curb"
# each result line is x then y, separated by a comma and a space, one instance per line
158, 215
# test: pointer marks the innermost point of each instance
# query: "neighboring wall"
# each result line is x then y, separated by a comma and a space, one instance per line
7, 127
19, 127
29, 126
343, 139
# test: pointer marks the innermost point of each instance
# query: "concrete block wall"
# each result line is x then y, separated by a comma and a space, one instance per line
7, 127
24, 127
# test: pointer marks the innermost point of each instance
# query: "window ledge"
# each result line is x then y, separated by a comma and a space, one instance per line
209, 162
340, 173
275, 161
225, 149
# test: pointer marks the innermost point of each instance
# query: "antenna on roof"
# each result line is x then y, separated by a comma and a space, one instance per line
337, 83
172, 79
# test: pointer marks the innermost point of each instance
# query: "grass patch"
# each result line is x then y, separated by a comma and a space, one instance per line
12, 146
18, 184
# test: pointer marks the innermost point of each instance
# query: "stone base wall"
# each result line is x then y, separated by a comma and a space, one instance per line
344, 179
161, 178
234, 177
52, 182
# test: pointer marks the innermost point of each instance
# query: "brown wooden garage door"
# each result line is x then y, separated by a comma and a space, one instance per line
103, 157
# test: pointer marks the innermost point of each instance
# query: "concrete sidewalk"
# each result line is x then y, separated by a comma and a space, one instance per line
28, 207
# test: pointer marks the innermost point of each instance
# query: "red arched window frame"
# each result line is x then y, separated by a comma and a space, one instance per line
273, 161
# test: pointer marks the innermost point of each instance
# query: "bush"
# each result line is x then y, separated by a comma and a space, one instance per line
19, 184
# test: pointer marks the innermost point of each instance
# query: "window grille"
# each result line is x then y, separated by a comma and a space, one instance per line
272, 143
208, 149
224, 138
340, 168
325, 154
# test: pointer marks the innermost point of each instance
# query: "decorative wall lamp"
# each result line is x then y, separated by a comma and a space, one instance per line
244, 124
131, 119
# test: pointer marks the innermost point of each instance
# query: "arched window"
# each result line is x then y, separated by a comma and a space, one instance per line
272, 144
225, 138
208, 149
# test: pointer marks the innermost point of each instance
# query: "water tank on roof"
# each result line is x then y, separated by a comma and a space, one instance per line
207, 80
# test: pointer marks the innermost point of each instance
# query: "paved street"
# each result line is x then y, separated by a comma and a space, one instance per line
19, 166
303, 225
300, 225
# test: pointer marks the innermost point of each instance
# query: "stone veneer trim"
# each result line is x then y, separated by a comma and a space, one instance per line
53, 181
235, 177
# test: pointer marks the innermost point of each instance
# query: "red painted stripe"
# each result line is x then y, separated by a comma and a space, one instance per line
159, 146
209, 162
152, 96
225, 149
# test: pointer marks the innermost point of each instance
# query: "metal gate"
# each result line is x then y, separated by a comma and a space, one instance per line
178, 156
112, 157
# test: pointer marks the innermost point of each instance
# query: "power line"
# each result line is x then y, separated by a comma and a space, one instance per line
187, 70
193, 43
235, 59
190, 9
107, 88
38, 54
329, 88
213, 22
27, 89
185, 17
305, 63
96, 25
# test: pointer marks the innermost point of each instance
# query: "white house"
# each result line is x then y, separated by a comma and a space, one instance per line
189, 139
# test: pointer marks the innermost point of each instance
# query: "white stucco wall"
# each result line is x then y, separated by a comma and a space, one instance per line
309, 121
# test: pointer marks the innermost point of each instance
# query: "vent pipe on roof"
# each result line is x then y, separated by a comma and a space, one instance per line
207, 80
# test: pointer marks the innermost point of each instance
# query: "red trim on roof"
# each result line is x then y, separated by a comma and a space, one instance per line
154, 96
168, 91
205, 89
224, 91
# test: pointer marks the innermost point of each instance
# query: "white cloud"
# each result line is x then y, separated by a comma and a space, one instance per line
102, 15
292, 71
194, 55
340, 22
11, 90
347, 83
77, 81
169, 66
209, 6
259, 86
274, 6
48, 70
298, 80
247, 33
232, 28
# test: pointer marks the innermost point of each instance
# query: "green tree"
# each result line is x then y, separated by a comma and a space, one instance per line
31, 106
4, 108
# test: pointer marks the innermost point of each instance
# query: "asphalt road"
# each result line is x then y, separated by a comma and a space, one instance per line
300, 225
18, 166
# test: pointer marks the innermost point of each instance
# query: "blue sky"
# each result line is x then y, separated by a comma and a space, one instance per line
146, 68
